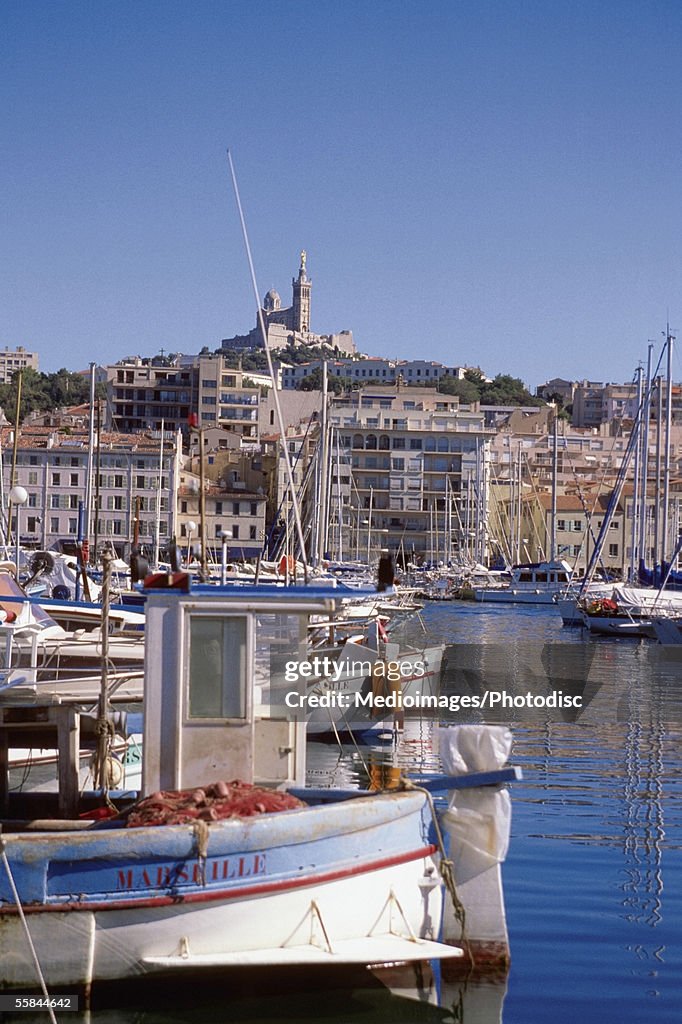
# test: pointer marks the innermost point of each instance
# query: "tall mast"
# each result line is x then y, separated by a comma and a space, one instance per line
657, 475
555, 461
634, 540
668, 427
645, 461
324, 456
89, 471
268, 355
158, 501
15, 449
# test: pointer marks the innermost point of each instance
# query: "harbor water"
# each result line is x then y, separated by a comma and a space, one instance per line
593, 877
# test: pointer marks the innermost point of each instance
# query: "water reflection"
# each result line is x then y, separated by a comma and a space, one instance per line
593, 880
392, 995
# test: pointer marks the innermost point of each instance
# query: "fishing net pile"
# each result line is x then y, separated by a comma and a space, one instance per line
216, 802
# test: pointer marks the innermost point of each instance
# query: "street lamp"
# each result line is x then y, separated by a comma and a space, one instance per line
18, 496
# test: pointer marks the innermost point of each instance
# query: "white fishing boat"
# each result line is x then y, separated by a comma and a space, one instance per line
530, 583
181, 882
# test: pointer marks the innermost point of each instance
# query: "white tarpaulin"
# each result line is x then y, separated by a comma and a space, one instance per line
473, 748
478, 820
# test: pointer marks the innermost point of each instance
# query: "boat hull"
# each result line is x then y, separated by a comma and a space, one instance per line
515, 595
108, 904
619, 626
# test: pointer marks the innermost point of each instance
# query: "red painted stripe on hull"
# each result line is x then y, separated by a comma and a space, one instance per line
259, 889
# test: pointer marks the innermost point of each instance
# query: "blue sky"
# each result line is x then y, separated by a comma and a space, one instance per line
493, 183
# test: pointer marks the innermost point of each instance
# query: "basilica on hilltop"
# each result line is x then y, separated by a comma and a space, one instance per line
290, 325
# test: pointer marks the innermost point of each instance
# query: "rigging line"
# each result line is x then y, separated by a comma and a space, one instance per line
268, 354
299, 454
287, 513
621, 475
503, 518
536, 494
620, 479
587, 512
27, 932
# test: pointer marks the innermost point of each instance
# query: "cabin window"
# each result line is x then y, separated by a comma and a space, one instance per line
541, 577
217, 667
525, 577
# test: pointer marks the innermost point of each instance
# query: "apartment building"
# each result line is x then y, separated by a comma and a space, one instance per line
579, 520
13, 359
133, 489
143, 393
232, 512
223, 399
419, 463
301, 446
371, 369
236, 501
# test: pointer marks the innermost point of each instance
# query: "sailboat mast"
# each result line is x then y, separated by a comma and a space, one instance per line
657, 477
668, 427
339, 501
324, 458
271, 371
645, 461
98, 465
555, 462
634, 541
158, 501
90, 463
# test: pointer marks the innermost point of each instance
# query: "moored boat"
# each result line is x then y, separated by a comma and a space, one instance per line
530, 583
333, 877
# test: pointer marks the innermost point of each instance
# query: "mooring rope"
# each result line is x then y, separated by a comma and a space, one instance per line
445, 865
24, 923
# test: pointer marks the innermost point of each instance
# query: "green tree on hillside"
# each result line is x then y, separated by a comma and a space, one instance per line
313, 382
507, 390
43, 392
465, 390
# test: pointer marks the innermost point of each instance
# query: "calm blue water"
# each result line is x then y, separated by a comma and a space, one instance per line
593, 879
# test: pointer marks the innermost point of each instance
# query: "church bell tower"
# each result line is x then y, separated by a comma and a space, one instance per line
301, 305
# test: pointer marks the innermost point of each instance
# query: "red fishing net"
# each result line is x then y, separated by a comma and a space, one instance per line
216, 802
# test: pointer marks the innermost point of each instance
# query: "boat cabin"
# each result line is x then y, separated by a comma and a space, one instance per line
211, 707
542, 574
